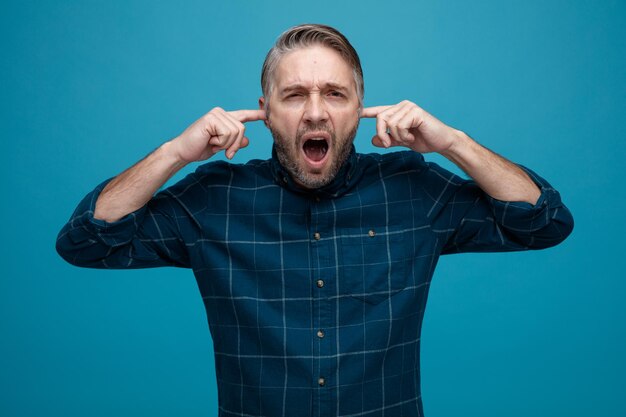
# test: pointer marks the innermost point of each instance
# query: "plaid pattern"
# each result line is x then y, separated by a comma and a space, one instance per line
315, 300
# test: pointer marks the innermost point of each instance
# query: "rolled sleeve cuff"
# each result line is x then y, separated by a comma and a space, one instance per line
523, 216
111, 234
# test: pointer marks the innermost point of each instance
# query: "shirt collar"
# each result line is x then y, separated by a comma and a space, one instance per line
346, 178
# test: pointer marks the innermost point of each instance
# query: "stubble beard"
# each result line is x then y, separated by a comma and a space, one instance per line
287, 151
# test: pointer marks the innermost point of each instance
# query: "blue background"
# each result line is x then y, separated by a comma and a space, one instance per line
88, 88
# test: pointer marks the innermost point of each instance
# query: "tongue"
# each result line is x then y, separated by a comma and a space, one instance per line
315, 150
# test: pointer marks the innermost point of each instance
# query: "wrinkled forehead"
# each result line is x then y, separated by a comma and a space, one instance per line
313, 67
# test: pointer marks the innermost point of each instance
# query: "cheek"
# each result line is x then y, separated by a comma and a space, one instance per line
346, 120
284, 122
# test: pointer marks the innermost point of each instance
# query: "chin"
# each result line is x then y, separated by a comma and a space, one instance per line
318, 157
312, 179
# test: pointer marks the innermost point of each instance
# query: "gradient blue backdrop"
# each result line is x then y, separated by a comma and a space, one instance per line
89, 87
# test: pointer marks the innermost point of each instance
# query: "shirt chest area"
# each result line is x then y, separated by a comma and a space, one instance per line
278, 244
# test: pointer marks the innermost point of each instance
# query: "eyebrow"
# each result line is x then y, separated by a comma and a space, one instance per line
299, 86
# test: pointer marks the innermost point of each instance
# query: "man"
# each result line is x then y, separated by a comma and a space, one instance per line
314, 266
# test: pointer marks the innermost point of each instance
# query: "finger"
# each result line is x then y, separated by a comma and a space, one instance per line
412, 121
230, 130
217, 130
409, 138
376, 141
382, 122
213, 126
373, 111
237, 143
381, 131
397, 121
234, 144
406, 126
247, 115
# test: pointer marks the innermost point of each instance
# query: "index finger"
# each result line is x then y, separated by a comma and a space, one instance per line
373, 111
248, 115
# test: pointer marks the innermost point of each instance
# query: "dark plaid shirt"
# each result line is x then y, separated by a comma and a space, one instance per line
315, 299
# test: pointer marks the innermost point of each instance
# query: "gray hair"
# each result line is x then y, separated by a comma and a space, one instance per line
306, 35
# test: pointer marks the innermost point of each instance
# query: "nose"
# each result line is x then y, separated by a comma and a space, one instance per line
315, 109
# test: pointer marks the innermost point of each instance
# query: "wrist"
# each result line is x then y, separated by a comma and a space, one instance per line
460, 145
169, 151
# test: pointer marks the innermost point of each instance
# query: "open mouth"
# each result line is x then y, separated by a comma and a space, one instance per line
315, 149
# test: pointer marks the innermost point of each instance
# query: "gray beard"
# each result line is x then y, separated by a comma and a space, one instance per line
289, 162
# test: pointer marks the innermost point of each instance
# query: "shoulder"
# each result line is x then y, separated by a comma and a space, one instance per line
226, 173
213, 176
408, 168
393, 162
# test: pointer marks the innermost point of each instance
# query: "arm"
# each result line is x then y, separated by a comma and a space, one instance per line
133, 188
121, 225
504, 206
469, 220
496, 176
406, 124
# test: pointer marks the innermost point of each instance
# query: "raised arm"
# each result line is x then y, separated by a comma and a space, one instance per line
406, 124
120, 224
522, 213
133, 188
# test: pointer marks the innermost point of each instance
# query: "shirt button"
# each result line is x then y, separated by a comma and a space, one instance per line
317, 236
321, 382
320, 333
320, 283
371, 233
317, 199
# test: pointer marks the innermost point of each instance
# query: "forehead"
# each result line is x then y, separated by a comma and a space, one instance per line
313, 66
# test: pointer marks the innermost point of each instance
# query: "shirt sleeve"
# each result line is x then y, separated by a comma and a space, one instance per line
152, 236
472, 221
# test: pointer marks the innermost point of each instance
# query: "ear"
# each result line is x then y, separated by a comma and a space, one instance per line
262, 107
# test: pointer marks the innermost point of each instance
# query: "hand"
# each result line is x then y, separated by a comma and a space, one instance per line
215, 131
406, 124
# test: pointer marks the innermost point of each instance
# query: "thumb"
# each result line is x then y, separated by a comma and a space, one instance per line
376, 141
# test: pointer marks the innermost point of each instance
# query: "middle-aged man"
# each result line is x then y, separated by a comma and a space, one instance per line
314, 265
